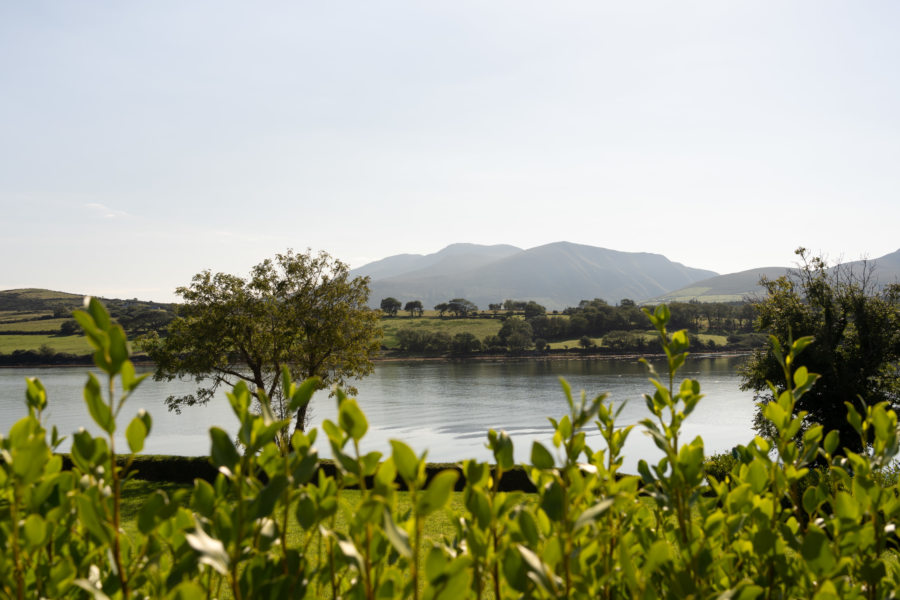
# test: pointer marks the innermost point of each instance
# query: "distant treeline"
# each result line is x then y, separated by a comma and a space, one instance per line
42, 357
527, 328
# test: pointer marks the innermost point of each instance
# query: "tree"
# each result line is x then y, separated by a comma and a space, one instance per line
461, 307
69, 327
390, 306
465, 343
855, 349
300, 310
533, 309
414, 308
516, 333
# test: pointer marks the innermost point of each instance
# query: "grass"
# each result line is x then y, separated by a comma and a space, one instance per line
480, 328
74, 344
38, 325
720, 340
17, 315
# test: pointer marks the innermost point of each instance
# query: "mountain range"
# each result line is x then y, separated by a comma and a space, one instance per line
555, 275
562, 274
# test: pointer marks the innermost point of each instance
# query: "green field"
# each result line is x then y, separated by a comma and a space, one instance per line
73, 344
480, 328
18, 315
39, 325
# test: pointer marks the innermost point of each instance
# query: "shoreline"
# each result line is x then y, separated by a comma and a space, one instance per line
486, 358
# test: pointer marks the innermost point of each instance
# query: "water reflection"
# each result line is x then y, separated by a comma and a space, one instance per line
446, 407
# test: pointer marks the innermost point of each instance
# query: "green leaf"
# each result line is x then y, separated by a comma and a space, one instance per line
502, 447
846, 507
529, 528
98, 409
36, 531
118, 349
303, 393
816, 551
98, 312
187, 590
398, 538
35, 393
352, 420
658, 555
541, 457
538, 572
265, 501
224, 454
129, 381
757, 476
147, 515
137, 432
203, 498
553, 500
478, 504
89, 516
406, 462
438, 492
593, 513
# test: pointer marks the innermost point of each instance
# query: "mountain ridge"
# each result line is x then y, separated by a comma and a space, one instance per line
557, 275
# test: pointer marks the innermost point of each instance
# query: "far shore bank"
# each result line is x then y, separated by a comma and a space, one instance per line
87, 362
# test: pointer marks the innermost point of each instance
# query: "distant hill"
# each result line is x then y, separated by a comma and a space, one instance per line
556, 275
455, 258
734, 287
37, 300
737, 287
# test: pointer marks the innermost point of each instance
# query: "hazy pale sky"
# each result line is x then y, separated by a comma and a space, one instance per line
143, 142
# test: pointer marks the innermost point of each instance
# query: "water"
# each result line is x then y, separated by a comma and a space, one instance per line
444, 407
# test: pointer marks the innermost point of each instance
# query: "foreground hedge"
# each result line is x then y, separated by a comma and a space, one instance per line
673, 532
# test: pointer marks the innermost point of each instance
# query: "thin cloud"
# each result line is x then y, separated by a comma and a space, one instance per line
101, 210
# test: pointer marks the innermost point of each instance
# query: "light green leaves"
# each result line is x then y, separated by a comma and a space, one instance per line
351, 419
138, 430
437, 493
99, 409
410, 468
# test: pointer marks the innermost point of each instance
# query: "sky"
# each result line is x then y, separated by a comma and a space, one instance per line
143, 142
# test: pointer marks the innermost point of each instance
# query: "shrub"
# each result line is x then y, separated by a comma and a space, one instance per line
756, 526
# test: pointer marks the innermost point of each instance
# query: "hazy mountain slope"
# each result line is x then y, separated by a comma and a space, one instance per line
885, 270
452, 258
736, 287
733, 287
556, 275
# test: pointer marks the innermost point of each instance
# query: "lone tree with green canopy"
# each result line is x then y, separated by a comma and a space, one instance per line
856, 343
298, 310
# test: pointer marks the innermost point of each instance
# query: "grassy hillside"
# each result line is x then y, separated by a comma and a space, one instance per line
41, 320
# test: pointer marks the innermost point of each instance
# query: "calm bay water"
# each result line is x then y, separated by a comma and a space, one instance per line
445, 407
